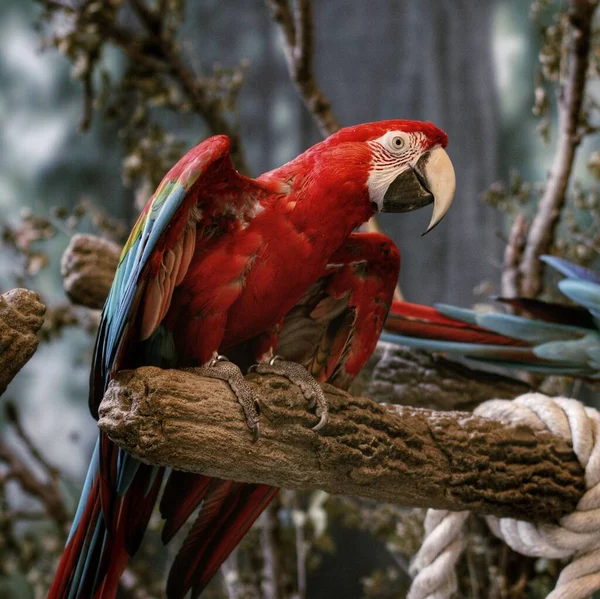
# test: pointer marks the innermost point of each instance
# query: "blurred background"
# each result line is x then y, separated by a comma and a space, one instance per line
470, 67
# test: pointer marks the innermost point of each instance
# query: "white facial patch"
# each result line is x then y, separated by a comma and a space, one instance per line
393, 153
380, 180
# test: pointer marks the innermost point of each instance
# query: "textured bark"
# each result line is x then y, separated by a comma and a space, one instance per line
399, 375
21, 316
88, 267
412, 457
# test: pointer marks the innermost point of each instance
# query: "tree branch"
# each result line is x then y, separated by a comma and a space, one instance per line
511, 277
411, 457
21, 316
541, 232
297, 35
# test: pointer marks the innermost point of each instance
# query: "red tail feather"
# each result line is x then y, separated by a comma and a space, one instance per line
182, 495
228, 511
414, 320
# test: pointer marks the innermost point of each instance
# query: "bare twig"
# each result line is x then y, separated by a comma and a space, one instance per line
297, 33
149, 18
541, 233
47, 492
231, 576
12, 415
299, 520
23, 515
513, 252
407, 456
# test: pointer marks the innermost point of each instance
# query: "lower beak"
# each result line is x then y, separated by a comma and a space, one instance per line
431, 180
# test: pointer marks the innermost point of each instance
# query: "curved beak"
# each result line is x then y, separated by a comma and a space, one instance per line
431, 180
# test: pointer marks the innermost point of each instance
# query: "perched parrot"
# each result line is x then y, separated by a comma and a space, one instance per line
553, 339
263, 270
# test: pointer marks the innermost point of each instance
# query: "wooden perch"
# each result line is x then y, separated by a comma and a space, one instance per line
411, 457
88, 267
21, 316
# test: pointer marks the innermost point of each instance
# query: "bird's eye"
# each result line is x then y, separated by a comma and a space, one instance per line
397, 142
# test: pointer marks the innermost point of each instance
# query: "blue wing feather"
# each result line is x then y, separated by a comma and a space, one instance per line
527, 329
585, 293
454, 347
570, 270
122, 295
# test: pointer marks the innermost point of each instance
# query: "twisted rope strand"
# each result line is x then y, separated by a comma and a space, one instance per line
577, 535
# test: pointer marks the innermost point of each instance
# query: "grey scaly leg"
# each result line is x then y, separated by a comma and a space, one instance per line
221, 368
298, 375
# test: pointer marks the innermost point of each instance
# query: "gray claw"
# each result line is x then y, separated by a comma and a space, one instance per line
256, 435
322, 422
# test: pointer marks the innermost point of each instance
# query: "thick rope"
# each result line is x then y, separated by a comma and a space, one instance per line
577, 535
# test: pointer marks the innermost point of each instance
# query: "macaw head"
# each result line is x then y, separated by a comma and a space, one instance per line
405, 162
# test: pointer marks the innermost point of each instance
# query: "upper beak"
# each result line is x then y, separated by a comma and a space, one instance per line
430, 180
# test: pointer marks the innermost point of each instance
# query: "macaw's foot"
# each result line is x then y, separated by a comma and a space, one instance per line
221, 368
297, 374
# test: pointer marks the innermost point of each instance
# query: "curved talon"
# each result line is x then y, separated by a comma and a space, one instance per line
256, 435
218, 358
322, 422
274, 359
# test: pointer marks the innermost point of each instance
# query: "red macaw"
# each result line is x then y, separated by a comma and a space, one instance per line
219, 263
545, 338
